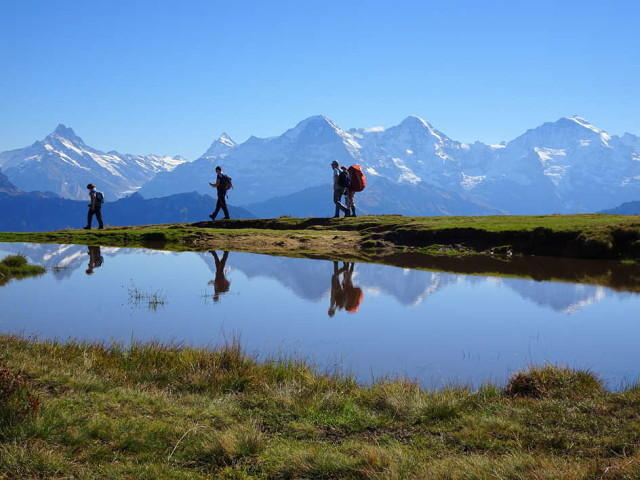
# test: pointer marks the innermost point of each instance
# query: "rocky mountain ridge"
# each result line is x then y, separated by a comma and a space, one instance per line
566, 166
64, 164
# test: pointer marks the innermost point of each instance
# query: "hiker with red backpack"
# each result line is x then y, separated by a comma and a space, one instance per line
223, 183
357, 182
340, 184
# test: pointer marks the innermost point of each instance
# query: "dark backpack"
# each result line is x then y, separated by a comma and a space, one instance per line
99, 198
225, 182
343, 179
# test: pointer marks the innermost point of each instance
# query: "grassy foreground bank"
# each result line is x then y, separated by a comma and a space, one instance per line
16, 266
577, 236
87, 411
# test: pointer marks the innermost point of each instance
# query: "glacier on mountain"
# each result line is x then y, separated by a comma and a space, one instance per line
63, 163
566, 166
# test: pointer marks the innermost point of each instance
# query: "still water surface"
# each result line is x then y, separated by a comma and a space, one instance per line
369, 320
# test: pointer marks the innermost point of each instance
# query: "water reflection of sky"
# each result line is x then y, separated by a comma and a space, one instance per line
438, 327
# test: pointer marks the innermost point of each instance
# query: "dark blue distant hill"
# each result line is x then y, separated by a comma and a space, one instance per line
36, 212
627, 208
381, 196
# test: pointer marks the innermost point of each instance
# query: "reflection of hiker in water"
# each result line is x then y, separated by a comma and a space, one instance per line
344, 295
95, 259
353, 295
220, 283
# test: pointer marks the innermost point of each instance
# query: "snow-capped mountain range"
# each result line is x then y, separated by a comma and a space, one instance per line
63, 164
566, 166
559, 167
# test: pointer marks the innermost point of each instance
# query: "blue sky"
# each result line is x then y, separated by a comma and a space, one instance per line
167, 77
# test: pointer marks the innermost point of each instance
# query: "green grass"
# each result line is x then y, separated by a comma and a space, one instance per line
579, 236
153, 411
16, 266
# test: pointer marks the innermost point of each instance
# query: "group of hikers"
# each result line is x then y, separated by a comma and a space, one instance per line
347, 181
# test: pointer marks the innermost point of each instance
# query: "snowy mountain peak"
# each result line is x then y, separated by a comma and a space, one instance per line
316, 122
226, 140
415, 121
63, 164
62, 131
314, 128
220, 146
566, 132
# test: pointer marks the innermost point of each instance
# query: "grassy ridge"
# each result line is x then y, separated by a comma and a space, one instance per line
577, 236
163, 412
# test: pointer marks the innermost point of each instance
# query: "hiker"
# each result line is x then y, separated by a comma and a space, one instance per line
340, 182
223, 183
220, 283
95, 207
95, 259
357, 183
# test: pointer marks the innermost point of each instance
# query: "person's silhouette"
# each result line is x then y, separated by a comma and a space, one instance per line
95, 259
220, 283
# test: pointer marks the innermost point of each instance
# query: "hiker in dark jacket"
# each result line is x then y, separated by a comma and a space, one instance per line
338, 190
222, 185
95, 207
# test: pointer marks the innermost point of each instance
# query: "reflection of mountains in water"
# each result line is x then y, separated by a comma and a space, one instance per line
563, 297
62, 259
310, 279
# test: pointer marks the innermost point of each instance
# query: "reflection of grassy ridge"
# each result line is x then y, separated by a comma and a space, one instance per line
16, 266
580, 236
167, 412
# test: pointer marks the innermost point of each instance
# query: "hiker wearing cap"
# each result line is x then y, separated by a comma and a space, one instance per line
339, 188
95, 207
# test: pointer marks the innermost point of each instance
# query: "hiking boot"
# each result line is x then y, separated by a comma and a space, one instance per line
100, 228
86, 228
212, 218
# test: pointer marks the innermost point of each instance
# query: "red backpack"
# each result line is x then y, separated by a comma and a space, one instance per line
358, 180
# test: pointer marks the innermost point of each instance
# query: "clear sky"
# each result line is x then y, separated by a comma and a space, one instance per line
167, 77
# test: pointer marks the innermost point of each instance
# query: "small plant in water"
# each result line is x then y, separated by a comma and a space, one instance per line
152, 300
